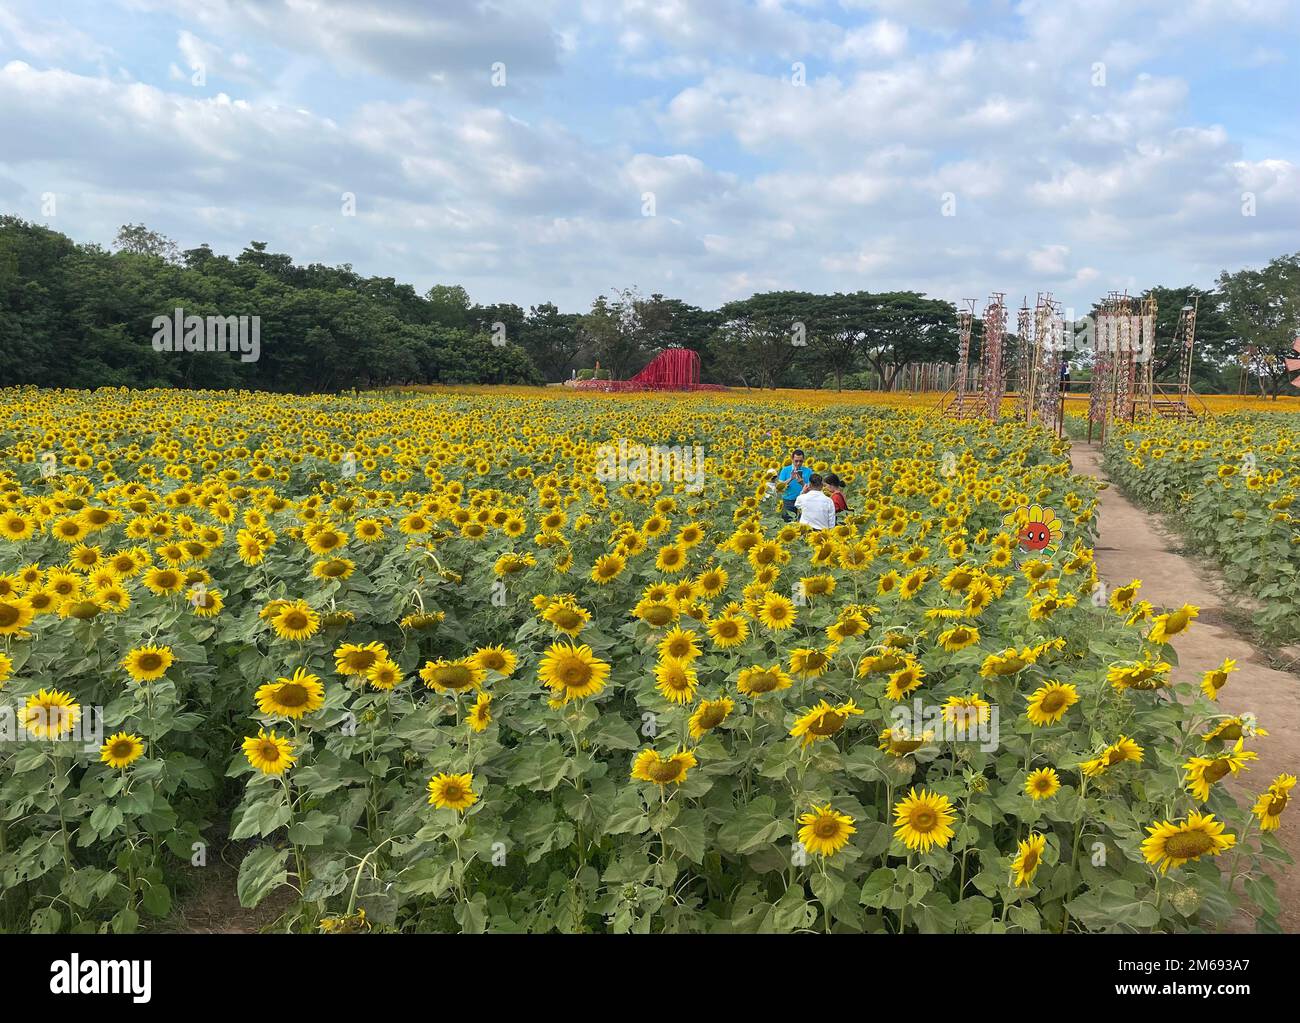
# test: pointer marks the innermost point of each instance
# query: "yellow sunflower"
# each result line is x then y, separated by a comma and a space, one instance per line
676, 680
965, 712
1172, 845
1168, 625
16, 613
921, 820
1216, 678
1029, 857
959, 637
572, 672
301, 693
269, 753
50, 714
295, 620
904, 680
446, 676
384, 675
1146, 675
146, 663
607, 568
899, 743
1204, 772
1049, 702
164, 581
708, 715
1270, 804
480, 715
567, 617
1042, 783
823, 721
649, 766
756, 681
728, 631
679, 644
776, 612
452, 792
825, 831
353, 659
1118, 752
1233, 728
121, 750
1009, 662
496, 658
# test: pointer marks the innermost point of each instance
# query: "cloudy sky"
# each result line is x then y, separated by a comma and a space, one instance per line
951, 146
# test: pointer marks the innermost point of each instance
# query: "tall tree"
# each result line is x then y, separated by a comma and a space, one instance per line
1262, 308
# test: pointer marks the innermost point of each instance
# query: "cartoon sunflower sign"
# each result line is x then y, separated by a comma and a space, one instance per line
1036, 528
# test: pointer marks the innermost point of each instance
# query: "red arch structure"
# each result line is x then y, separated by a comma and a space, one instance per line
673, 369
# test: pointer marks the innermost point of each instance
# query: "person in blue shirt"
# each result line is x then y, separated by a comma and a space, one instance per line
795, 476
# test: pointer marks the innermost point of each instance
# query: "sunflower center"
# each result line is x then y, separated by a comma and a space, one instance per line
1217, 770
828, 724
295, 620
492, 661
826, 827
566, 618
291, 694
121, 748
924, 819
1053, 702
1030, 861
1276, 807
712, 717
575, 672
455, 676
666, 770
269, 752
1187, 844
149, 662
728, 629
8, 614
658, 615
762, 682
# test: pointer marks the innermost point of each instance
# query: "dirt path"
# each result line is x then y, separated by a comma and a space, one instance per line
1131, 545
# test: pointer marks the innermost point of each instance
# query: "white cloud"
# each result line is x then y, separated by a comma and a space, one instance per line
535, 193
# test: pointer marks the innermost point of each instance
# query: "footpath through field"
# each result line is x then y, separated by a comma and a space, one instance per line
1130, 546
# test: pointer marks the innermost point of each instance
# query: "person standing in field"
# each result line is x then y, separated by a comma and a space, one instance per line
795, 476
815, 508
835, 490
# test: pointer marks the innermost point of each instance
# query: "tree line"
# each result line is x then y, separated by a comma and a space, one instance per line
81, 315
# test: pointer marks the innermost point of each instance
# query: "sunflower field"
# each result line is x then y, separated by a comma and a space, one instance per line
523, 660
1228, 486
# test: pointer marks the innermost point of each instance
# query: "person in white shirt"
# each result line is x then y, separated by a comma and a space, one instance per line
814, 507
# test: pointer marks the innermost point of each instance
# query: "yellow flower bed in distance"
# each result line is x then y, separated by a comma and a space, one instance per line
530, 660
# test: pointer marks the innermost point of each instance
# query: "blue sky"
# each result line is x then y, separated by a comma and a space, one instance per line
958, 148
